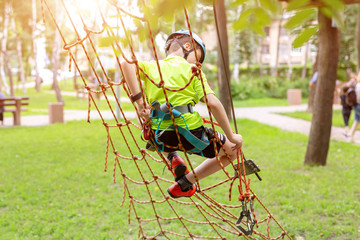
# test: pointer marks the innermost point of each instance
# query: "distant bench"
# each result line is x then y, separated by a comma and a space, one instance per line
16, 102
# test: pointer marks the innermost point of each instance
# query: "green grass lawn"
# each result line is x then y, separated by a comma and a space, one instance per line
337, 118
263, 102
53, 185
39, 102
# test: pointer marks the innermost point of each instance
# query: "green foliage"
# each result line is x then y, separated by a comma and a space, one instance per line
300, 17
271, 5
254, 71
109, 41
305, 36
293, 5
164, 10
304, 16
246, 45
237, 3
269, 86
110, 72
242, 22
255, 15
348, 52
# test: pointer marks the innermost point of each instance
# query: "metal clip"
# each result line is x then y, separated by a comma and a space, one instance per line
250, 168
250, 221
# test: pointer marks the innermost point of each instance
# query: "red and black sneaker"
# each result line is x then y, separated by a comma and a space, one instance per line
179, 167
175, 191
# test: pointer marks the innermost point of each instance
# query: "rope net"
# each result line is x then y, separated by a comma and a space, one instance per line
210, 213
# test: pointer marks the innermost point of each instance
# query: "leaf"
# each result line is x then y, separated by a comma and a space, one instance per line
238, 2
115, 16
259, 29
336, 4
295, 4
117, 52
106, 41
142, 33
304, 36
169, 7
327, 11
243, 21
270, 4
262, 16
300, 18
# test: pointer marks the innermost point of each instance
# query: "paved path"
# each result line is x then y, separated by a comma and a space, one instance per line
266, 115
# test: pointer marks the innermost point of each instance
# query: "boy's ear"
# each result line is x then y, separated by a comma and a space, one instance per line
187, 46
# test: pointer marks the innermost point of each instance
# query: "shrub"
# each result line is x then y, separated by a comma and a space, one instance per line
268, 86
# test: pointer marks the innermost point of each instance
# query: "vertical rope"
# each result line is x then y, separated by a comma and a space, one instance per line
226, 72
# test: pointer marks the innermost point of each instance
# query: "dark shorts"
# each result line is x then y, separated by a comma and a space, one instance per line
170, 139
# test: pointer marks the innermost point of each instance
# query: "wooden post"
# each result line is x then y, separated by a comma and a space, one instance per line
17, 121
294, 96
56, 113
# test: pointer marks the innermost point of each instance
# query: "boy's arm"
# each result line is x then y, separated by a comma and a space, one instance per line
129, 71
219, 113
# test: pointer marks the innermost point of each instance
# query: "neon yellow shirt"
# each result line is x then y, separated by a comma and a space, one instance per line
176, 73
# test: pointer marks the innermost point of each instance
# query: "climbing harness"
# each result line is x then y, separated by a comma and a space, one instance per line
161, 112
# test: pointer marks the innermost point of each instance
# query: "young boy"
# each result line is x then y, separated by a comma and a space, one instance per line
176, 71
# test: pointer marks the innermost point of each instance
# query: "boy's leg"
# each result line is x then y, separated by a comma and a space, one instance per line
178, 165
211, 165
181, 187
185, 186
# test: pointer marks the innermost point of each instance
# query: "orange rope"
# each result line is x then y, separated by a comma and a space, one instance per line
204, 207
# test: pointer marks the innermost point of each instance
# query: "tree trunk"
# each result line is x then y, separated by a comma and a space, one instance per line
36, 68
261, 70
223, 57
19, 55
304, 69
275, 73
319, 139
313, 87
289, 62
358, 39
3, 47
9, 73
236, 70
55, 60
